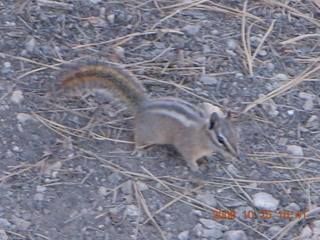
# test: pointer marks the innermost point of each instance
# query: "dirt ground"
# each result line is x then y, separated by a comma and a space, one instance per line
66, 169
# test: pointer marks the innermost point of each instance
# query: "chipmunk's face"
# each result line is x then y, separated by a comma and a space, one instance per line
223, 134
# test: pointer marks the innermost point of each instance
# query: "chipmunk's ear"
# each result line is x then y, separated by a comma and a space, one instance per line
214, 118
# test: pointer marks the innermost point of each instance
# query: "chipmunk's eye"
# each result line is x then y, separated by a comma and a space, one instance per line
221, 140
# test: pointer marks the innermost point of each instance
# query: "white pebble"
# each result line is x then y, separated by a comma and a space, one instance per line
102, 191
209, 233
23, 117
7, 64
132, 210
255, 39
306, 232
308, 105
313, 122
3, 235
290, 112
142, 186
38, 197
213, 224
265, 201
316, 228
307, 96
191, 29
17, 96
263, 53
126, 187
232, 44
183, 235
95, 1
16, 149
270, 66
281, 77
236, 235
239, 75
208, 79
295, 150
20, 223
207, 198
111, 18
41, 189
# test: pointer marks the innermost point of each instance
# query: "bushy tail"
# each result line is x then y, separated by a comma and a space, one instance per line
109, 77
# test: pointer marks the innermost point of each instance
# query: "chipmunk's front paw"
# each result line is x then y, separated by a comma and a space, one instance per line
137, 152
193, 166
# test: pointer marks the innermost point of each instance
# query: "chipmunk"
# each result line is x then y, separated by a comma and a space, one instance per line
194, 130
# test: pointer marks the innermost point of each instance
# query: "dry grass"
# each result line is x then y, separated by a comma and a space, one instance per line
172, 186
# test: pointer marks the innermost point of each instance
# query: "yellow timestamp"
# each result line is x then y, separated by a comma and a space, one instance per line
264, 214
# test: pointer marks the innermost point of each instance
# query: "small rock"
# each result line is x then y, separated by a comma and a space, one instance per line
240, 211
270, 66
142, 186
282, 141
95, 1
214, 32
126, 187
23, 117
198, 229
200, 59
313, 122
7, 64
303, 129
4, 223
213, 224
316, 228
239, 75
236, 235
197, 212
3, 235
41, 189
307, 96
231, 53
265, 201
17, 149
17, 97
102, 191
308, 105
293, 207
206, 49
51, 169
211, 233
111, 18
273, 230
263, 53
316, 224
281, 77
255, 39
4, 107
232, 44
119, 52
208, 79
306, 232
31, 44
191, 29
38, 197
295, 150
269, 106
290, 112
233, 170
132, 211
20, 223
207, 198
183, 235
